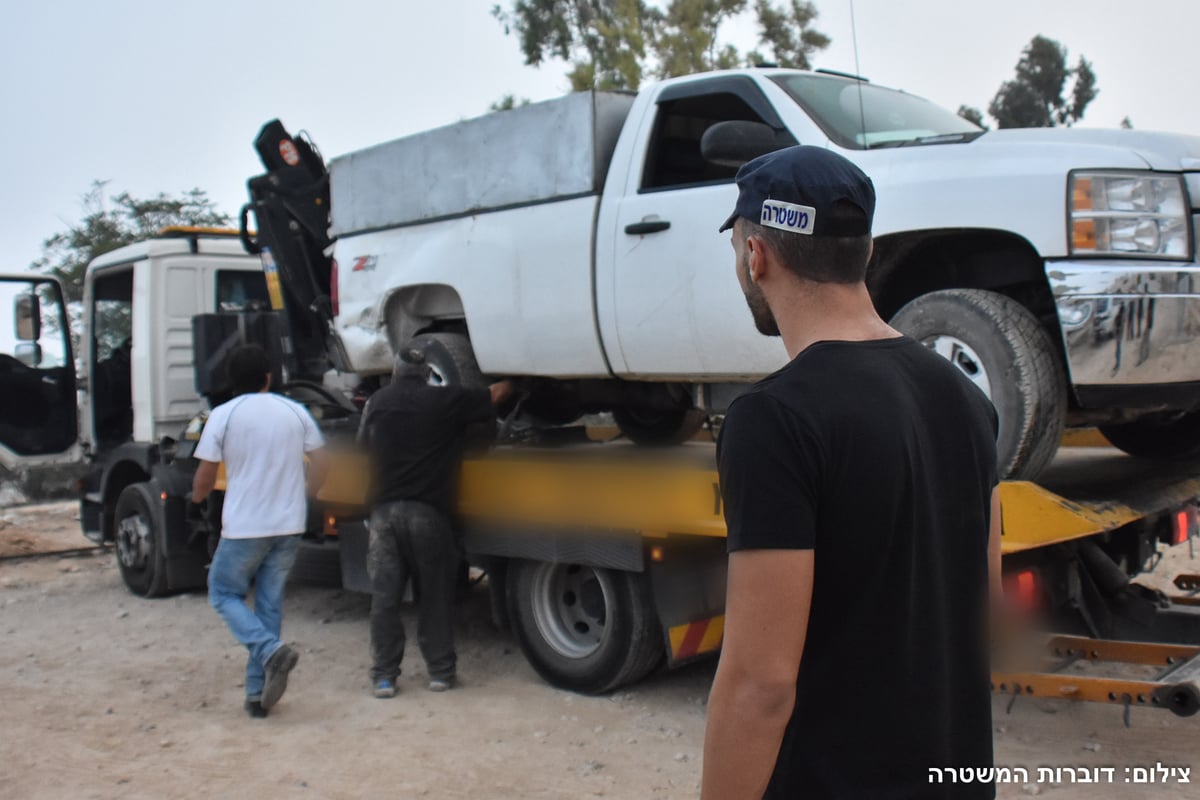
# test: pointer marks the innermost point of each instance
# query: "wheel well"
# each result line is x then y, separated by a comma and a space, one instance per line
122, 474
908, 265
422, 309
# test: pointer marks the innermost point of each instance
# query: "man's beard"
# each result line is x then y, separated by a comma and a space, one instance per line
764, 320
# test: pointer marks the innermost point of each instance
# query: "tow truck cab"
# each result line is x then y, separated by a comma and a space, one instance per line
122, 396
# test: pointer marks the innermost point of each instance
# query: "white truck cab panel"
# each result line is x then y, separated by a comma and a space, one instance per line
135, 351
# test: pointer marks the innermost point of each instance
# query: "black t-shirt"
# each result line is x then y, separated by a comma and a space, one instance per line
880, 457
416, 435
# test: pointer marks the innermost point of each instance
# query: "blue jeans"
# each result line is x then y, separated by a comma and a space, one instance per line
267, 561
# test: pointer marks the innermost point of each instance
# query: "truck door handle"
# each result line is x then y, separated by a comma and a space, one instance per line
647, 226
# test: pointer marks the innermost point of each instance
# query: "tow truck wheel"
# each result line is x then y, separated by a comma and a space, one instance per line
654, 427
138, 538
1174, 440
1000, 346
583, 628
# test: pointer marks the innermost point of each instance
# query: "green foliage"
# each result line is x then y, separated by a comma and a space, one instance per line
122, 220
1034, 97
686, 39
604, 41
787, 33
613, 44
508, 102
972, 114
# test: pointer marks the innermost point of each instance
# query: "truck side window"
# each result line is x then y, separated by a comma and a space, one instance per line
674, 159
241, 290
112, 349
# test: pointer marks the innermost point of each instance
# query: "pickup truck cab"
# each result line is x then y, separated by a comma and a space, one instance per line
575, 243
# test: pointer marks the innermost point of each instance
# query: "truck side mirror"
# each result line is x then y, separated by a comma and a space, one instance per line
27, 317
734, 142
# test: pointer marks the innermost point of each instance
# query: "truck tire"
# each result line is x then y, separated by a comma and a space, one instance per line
138, 536
655, 427
586, 629
1171, 440
451, 359
1000, 346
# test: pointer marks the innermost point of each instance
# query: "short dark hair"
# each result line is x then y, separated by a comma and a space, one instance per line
247, 368
820, 259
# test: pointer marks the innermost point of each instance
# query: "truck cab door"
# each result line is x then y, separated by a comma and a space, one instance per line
677, 310
38, 422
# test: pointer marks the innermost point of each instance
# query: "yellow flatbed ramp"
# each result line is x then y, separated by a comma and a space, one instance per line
576, 539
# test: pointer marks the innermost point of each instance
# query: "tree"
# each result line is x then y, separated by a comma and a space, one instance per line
613, 44
604, 41
1127, 123
972, 114
788, 34
686, 39
508, 102
1034, 98
122, 220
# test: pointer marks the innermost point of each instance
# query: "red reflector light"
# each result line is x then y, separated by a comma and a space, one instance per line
1022, 590
1182, 525
333, 289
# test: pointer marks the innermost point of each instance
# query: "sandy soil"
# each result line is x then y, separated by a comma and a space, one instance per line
105, 695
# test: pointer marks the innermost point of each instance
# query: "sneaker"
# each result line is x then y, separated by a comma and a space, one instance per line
385, 688
441, 684
281, 662
254, 707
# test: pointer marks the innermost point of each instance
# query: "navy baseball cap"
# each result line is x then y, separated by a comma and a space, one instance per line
796, 190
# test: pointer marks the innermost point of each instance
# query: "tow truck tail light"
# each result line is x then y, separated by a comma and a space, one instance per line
333, 286
1022, 590
1183, 525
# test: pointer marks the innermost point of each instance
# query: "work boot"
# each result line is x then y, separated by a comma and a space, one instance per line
281, 662
441, 684
254, 707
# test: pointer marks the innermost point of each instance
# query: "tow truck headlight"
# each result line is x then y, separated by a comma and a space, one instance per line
1128, 214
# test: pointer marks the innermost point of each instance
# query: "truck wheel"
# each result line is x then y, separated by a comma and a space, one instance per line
1173, 440
1000, 346
654, 427
587, 629
451, 359
138, 535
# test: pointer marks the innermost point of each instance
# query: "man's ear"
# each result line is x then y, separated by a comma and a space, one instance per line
756, 257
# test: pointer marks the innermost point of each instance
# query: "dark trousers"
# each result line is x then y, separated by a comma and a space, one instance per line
412, 540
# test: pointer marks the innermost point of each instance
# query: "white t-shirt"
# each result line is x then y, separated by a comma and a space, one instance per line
262, 438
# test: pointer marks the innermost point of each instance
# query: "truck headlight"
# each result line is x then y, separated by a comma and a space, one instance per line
1128, 214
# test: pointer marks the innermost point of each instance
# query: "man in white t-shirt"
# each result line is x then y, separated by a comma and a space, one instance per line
262, 439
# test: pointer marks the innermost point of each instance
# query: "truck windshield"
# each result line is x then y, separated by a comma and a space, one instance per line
885, 118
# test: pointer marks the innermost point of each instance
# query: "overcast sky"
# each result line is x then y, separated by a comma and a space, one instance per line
155, 96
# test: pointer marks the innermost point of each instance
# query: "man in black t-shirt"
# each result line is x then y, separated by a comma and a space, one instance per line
416, 435
859, 484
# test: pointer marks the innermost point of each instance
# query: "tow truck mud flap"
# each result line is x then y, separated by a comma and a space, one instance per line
185, 549
353, 542
689, 598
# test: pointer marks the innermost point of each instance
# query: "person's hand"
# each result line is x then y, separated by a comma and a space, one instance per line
501, 391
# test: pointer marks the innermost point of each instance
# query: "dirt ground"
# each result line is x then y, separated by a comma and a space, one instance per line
105, 695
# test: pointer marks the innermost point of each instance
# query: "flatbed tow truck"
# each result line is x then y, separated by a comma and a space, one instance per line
607, 559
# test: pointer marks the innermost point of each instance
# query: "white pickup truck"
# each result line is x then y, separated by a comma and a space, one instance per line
576, 241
